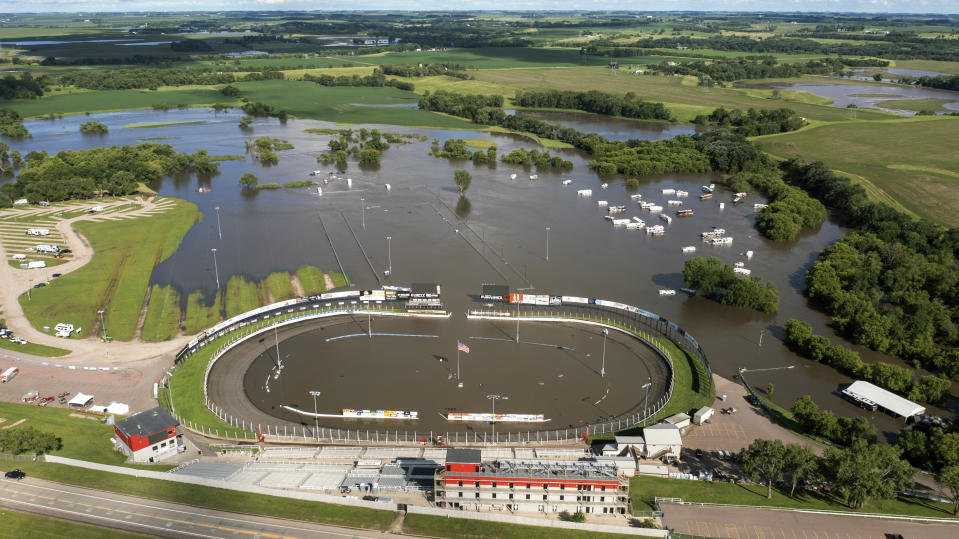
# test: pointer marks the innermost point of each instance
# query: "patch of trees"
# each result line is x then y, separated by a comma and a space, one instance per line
93, 128
462, 179
537, 158
343, 145
825, 424
711, 278
801, 339
253, 108
75, 174
891, 298
753, 122
481, 109
943, 82
742, 68
11, 124
376, 79
628, 105
153, 78
25, 87
790, 209
29, 440
932, 449
862, 472
428, 70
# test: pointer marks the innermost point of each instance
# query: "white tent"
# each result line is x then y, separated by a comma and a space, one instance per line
81, 400
118, 408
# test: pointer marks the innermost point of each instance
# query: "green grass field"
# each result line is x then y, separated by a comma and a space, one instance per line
82, 438
456, 528
277, 287
916, 105
163, 314
33, 349
346, 104
199, 315
680, 94
913, 160
338, 279
241, 296
311, 279
644, 489
117, 277
110, 100
40, 526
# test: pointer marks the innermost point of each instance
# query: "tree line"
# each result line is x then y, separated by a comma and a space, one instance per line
376, 79
742, 68
790, 210
628, 105
75, 174
25, 87
801, 339
428, 70
11, 124
711, 278
753, 122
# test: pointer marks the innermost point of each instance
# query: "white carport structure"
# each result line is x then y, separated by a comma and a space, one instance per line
862, 393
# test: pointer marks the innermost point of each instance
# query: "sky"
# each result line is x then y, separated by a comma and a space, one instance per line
866, 6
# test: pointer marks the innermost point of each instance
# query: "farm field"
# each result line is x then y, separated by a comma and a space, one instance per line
913, 160
504, 58
681, 94
110, 100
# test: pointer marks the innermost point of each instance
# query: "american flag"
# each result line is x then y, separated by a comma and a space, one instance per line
462, 347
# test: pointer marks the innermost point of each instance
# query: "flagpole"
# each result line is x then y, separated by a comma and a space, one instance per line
457, 361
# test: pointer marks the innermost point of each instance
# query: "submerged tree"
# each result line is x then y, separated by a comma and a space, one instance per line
463, 180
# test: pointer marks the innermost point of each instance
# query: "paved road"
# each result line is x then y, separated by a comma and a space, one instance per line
152, 517
742, 523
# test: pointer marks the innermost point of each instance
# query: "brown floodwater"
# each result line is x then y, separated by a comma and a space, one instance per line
496, 234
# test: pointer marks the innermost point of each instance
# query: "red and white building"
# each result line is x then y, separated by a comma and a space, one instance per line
529, 486
148, 436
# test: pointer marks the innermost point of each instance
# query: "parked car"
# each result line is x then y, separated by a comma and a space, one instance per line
752, 399
699, 452
40, 285
15, 474
55, 275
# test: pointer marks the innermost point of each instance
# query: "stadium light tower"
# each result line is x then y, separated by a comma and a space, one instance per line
493, 399
316, 419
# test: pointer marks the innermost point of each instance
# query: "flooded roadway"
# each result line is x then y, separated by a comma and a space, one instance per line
497, 234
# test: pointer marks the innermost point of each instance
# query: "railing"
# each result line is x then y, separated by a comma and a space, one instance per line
642, 325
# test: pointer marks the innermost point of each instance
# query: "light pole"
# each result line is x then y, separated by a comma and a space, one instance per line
389, 254
216, 269
219, 230
494, 398
547, 244
316, 419
103, 327
602, 370
646, 400
363, 204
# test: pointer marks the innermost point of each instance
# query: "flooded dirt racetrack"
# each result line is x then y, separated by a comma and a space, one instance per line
411, 365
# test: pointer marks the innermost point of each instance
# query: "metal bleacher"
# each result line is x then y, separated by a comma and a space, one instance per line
210, 470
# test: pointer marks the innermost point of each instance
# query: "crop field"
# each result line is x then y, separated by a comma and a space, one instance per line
504, 58
913, 160
346, 104
117, 277
679, 93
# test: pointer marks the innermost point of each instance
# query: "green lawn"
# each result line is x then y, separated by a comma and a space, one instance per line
434, 526
108, 100
15, 523
82, 438
117, 277
241, 296
338, 279
199, 315
346, 104
213, 498
278, 286
163, 314
912, 160
311, 279
33, 349
916, 105
644, 489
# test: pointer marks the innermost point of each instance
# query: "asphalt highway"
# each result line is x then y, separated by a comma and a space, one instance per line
155, 518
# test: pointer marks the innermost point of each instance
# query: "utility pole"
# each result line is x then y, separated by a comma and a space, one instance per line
646, 400
602, 371
363, 204
547, 244
761, 333
276, 336
316, 418
389, 254
216, 269
103, 327
494, 398
219, 230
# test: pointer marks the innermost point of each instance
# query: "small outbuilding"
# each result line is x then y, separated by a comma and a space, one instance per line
702, 415
148, 436
636, 443
681, 420
663, 440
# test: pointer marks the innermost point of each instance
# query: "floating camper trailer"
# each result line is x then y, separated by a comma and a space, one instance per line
682, 194
739, 197
667, 292
689, 249
655, 209
760, 206
512, 176
684, 213
669, 191
635, 225
749, 255
636, 197
602, 203
621, 222
585, 192
534, 176
666, 218
722, 241
604, 186
674, 202
567, 182
654, 230
742, 271
722, 205
708, 188
616, 209
705, 196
